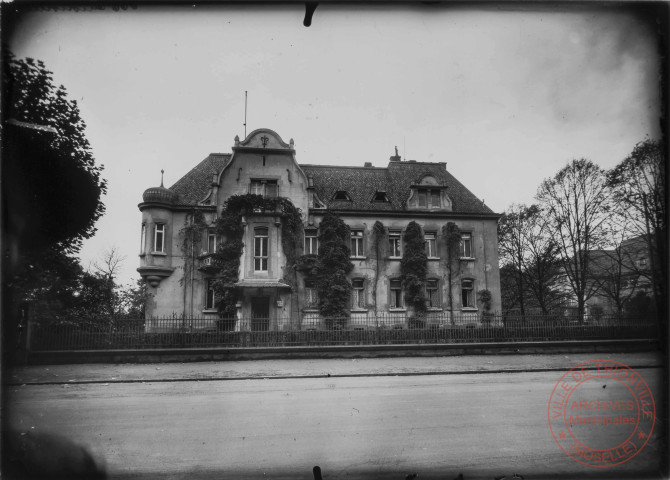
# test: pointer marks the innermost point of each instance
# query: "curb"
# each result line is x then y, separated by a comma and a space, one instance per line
57, 357
299, 377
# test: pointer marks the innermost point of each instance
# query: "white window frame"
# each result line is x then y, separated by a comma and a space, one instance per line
212, 242
470, 304
357, 241
159, 230
311, 242
395, 244
431, 244
466, 239
358, 294
396, 295
261, 249
210, 295
259, 186
143, 238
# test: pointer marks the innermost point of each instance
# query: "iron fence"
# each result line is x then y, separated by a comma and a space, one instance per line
361, 329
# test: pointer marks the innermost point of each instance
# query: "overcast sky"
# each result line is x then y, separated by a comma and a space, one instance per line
506, 96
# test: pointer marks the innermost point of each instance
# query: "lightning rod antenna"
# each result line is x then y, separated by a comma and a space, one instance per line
245, 114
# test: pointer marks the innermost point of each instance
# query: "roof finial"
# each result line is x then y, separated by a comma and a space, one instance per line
162, 172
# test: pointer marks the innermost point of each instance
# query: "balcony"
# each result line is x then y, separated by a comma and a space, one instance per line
207, 264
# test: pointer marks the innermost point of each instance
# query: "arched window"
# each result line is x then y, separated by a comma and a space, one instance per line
261, 249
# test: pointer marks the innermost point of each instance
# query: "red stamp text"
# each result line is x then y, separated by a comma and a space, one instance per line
601, 413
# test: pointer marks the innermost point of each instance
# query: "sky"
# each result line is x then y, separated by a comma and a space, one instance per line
505, 95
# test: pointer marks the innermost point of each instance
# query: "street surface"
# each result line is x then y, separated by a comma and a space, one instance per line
483, 425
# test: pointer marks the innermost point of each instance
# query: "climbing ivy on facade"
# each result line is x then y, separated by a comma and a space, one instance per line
230, 227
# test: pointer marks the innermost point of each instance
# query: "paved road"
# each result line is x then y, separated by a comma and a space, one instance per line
483, 425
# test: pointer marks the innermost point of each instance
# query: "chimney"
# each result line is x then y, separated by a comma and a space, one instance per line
367, 164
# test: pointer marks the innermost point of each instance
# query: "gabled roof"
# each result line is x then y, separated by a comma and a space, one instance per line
361, 183
196, 184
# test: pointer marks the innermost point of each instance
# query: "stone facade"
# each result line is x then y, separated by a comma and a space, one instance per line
394, 195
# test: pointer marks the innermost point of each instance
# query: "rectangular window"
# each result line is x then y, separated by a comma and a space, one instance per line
159, 237
394, 244
466, 245
212, 242
311, 242
396, 294
261, 250
143, 237
435, 198
209, 295
265, 188
357, 243
431, 244
422, 198
311, 295
429, 198
432, 293
357, 293
467, 294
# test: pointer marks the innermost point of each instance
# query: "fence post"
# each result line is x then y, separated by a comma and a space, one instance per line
27, 336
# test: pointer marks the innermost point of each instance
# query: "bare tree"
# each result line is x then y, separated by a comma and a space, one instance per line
614, 271
109, 263
640, 195
529, 252
512, 229
575, 202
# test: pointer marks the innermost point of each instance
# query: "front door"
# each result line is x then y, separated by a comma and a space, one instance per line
260, 314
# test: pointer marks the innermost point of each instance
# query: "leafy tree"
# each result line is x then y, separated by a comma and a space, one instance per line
333, 286
575, 203
43, 120
134, 299
640, 195
51, 187
414, 267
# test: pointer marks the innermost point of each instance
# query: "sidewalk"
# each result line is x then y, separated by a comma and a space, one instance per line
337, 367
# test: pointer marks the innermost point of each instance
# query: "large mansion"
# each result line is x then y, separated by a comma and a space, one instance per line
395, 195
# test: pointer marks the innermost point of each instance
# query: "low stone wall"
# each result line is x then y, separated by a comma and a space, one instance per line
340, 351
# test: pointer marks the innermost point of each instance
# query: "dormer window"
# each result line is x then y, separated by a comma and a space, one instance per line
380, 197
341, 195
429, 197
264, 188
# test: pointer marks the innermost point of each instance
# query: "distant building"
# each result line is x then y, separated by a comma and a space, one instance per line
615, 276
264, 164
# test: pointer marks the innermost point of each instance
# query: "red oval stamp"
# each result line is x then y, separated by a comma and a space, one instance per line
601, 413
